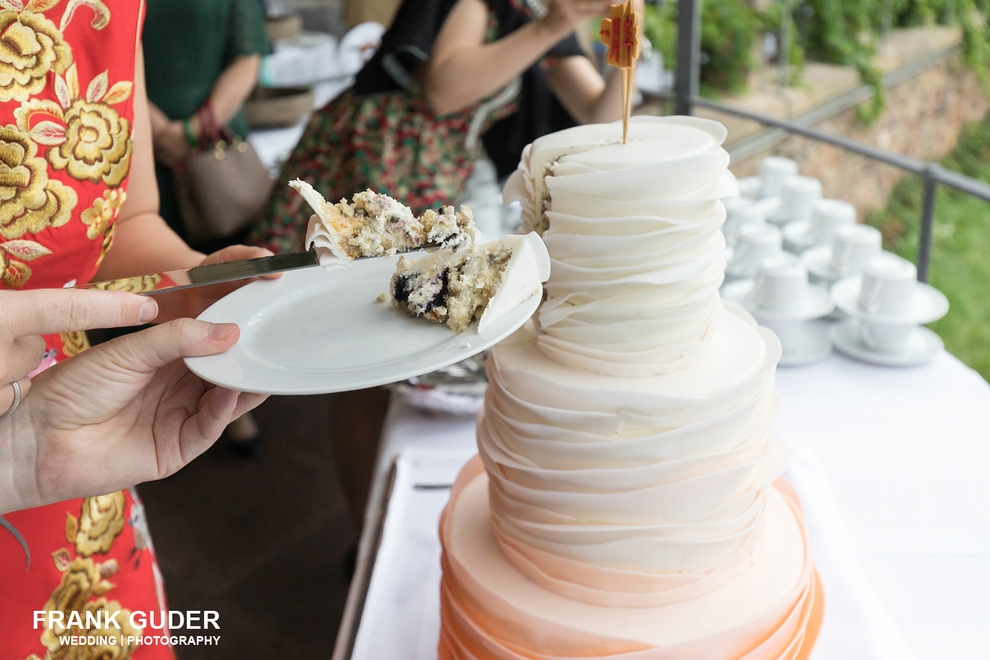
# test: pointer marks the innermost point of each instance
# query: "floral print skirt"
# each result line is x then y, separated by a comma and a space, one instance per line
391, 143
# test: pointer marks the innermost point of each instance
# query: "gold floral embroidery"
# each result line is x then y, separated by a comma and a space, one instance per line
31, 47
88, 137
13, 273
101, 521
29, 201
74, 343
104, 211
141, 284
82, 580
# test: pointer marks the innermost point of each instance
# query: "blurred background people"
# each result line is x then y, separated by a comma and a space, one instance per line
447, 70
202, 59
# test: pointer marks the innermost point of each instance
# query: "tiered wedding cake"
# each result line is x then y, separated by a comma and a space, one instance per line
627, 501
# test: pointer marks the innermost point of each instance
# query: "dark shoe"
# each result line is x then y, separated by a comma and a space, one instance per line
244, 436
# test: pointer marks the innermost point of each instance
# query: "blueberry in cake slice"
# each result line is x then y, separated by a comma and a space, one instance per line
375, 225
478, 283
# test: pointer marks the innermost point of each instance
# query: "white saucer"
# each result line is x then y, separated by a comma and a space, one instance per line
817, 304
922, 346
313, 332
797, 236
929, 304
818, 261
814, 344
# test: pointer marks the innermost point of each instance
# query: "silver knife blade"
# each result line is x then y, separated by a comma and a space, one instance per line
186, 278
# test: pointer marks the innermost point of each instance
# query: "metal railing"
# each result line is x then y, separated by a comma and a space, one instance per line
686, 98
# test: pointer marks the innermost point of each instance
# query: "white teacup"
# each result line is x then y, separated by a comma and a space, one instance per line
754, 244
739, 215
773, 172
828, 216
797, 199
853, 247
886, 337
888, 288
781, 284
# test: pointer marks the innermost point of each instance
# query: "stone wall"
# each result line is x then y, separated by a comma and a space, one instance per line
922, 119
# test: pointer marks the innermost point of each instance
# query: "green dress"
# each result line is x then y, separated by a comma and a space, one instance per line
187, 45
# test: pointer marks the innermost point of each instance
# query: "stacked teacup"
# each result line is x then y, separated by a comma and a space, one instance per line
770, 182
739, 213
751, 245
781, 298
797, 200
888, 306
827, 217
848, 254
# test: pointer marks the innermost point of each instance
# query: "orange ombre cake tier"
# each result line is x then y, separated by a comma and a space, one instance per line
627, 501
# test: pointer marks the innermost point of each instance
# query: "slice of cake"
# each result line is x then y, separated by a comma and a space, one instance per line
375, 225
480, 282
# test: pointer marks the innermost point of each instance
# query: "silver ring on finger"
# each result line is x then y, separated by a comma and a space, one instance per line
17, 400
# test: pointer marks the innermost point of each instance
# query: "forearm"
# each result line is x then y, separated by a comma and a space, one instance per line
145, 244
608, 106
466, 75
234, 86
18, 486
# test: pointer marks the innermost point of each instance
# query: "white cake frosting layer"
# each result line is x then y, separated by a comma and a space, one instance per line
632, 491
633, 233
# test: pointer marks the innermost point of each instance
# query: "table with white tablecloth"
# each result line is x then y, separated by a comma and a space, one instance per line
893, 468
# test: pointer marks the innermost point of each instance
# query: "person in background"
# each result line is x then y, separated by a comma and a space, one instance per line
202, 59
79, 204
412, 127
447, 70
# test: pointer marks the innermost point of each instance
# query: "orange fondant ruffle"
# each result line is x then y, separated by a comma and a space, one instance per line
475, 630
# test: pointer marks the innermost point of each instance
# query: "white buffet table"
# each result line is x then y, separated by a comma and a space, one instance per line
893, 467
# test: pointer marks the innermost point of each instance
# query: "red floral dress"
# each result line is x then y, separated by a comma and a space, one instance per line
66, 139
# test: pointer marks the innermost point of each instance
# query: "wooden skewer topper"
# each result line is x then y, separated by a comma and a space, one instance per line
620, 34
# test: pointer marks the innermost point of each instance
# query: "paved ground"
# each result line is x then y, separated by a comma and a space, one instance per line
262, 541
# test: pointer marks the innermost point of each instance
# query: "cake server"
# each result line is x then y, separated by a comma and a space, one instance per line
186, 278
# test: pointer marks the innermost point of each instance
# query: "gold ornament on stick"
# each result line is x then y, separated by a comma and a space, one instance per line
620, 34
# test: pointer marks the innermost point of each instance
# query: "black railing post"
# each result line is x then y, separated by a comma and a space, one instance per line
688, 55
927, 222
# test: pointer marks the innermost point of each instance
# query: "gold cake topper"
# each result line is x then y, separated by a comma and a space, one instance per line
620, 34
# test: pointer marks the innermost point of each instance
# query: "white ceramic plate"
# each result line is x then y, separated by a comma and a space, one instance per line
313, 332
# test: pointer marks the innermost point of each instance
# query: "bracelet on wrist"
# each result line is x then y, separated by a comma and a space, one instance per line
190, 134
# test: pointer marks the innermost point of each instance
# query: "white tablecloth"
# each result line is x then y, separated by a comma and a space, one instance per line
893, 468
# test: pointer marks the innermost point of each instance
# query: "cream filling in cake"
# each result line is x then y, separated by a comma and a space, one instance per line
375, 225
482, 283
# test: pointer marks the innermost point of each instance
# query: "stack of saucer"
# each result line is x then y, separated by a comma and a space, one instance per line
888, 306
773, 172
851, 250
797, 200
827, 216
780, 298
753, 244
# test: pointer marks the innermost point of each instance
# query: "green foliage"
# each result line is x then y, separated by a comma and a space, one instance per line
727, 31
959, 267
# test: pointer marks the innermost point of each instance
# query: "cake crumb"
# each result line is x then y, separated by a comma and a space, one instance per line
382, 298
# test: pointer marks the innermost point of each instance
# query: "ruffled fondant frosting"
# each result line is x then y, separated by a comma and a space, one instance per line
629, 508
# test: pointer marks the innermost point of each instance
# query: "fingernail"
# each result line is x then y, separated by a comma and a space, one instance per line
148, 311
220, 331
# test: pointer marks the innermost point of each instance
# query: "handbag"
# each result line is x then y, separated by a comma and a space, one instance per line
222, 189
